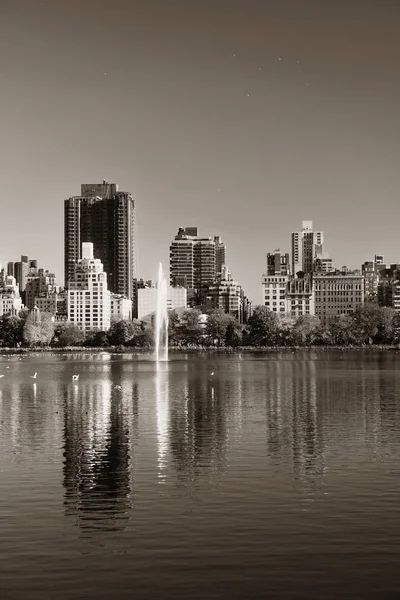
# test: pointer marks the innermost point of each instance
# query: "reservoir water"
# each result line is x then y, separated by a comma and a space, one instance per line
275, 477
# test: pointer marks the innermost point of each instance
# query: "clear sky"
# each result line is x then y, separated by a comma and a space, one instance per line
242, 117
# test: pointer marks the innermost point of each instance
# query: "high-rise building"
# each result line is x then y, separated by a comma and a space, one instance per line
274, 281
220, 254
304, 243
277, 263
195, 261
89, 300
21, 269
226, 293
105, 217
39, 283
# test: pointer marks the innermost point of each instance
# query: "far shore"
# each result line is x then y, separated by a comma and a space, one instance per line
198, 349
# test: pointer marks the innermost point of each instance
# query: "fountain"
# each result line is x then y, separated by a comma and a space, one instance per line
161, 321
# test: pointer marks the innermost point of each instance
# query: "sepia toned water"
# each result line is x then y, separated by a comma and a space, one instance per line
276, 477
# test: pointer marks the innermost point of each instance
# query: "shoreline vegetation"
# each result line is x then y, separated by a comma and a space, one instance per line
200, 349
369, 327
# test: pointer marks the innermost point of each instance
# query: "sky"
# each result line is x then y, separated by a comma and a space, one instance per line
241, 117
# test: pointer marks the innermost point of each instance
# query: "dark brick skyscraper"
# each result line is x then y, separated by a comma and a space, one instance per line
106, 217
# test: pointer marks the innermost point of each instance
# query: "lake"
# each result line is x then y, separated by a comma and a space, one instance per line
277, 476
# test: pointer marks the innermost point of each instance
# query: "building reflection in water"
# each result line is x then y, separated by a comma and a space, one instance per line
294, 433
198, 424
96, 455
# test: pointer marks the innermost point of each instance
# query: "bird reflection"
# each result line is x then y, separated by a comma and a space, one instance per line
96, 456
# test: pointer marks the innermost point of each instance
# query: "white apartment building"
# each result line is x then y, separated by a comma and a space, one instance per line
89, 300
274, 292
10, 301
121, 308
147, 300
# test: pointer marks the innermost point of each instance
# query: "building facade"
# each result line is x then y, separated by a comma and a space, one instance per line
10, 299
195, 261
147, 300
89, 300
227, 294
337, 295
300, 297
39, 283
121, 308
105, 217
274, 282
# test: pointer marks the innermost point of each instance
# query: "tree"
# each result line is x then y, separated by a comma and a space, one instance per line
370, 320
173, 327
217, 325
234, 333
396, 328
263, 327
305, 329
386, 325
68, 334
191, 330
122, 332
286, 324
145, 335
341, 330
38, 329
11, 329
97, 339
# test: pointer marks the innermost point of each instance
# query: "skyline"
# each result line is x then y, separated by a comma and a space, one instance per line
177, 111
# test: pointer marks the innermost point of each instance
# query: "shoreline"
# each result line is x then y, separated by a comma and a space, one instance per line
199, 349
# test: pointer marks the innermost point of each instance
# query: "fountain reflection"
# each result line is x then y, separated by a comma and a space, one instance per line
96, 456
162, 412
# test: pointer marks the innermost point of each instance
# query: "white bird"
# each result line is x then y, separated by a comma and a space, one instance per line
75, 377
117, 387
34, 376
212, 373
7, 367
1, 376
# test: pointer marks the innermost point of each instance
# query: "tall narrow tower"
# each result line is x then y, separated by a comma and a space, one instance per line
303, 247
105, 217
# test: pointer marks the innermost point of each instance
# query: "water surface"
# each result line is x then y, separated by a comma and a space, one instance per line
276, 477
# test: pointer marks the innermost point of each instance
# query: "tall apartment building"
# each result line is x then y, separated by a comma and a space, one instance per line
226, 293
277, 263
337, 294
388, 286
39, 283
21, 269
304, 245
105, 217
89, 300
195, 261
275, 281
220, 254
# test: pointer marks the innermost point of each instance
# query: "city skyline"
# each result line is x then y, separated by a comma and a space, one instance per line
243, 122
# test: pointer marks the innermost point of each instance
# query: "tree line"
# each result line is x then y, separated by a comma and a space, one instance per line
369, 324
